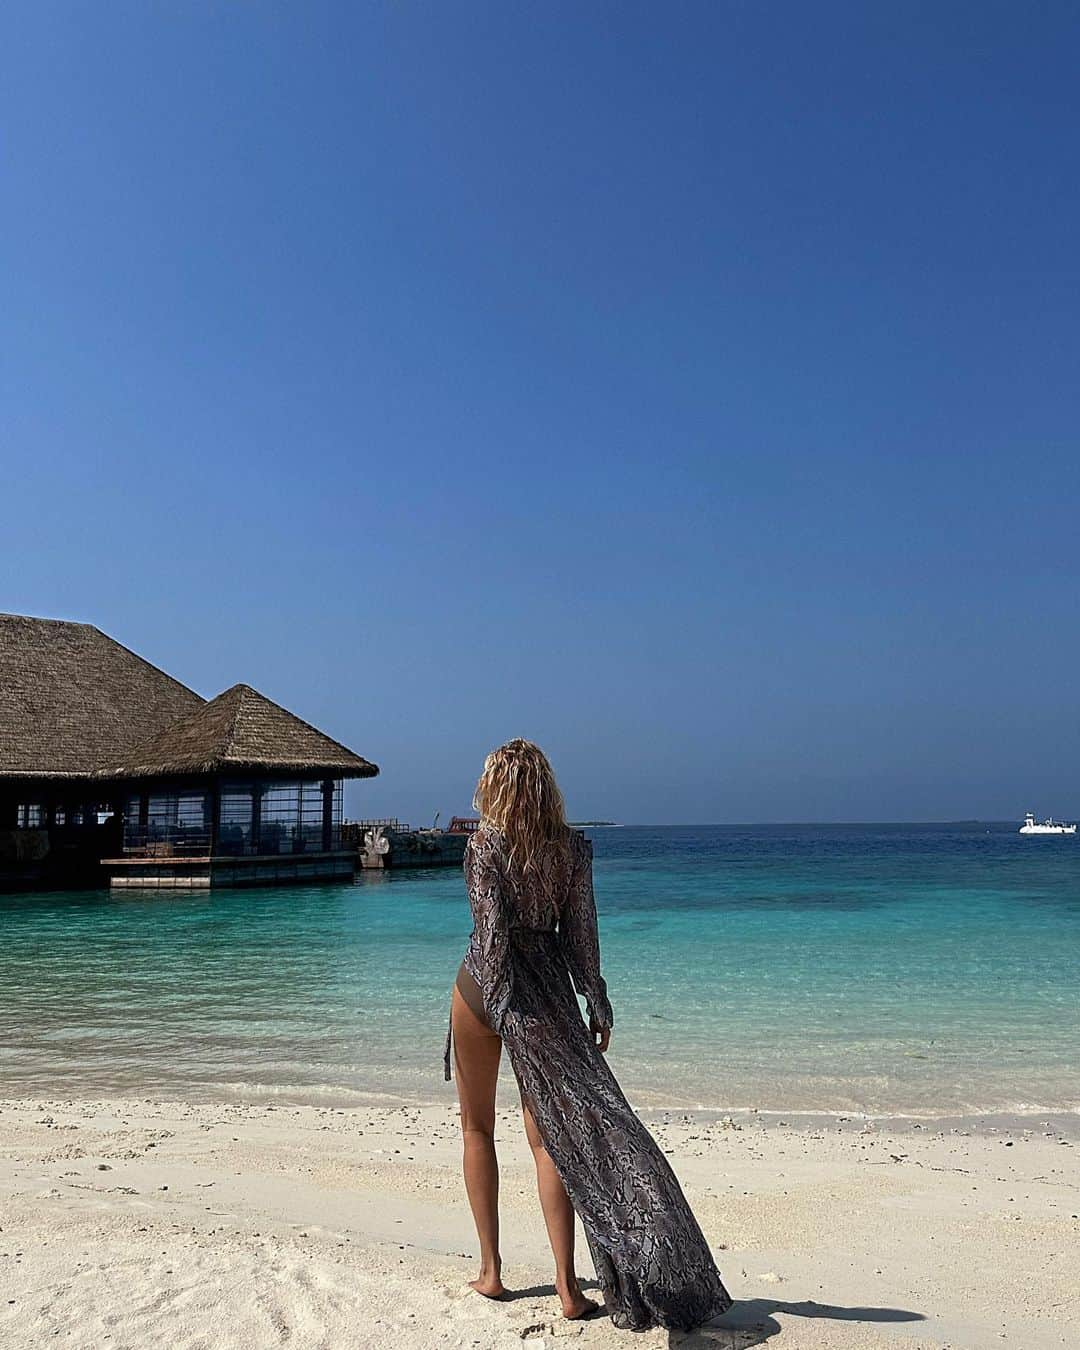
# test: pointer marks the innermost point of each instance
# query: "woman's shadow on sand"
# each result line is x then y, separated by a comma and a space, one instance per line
749, 1321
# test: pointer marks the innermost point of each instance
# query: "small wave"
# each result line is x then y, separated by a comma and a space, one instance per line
311, 1094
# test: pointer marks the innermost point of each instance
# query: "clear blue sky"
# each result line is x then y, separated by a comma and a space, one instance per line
690, 387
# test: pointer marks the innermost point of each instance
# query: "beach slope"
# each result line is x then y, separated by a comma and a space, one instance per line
227, 1227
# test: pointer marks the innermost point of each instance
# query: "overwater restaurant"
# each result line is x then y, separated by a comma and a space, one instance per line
113, 773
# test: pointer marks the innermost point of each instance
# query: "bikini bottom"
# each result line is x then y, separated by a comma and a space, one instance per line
470, 992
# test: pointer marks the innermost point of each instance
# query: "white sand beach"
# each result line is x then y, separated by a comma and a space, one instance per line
232, 1227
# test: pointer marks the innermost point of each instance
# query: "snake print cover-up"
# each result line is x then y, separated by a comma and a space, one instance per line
529, 940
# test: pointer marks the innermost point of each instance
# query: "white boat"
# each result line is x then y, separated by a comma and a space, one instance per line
1048, 826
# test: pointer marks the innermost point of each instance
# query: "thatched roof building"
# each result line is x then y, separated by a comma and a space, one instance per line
90, 732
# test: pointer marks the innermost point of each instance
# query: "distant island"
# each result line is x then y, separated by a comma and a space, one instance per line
580, 824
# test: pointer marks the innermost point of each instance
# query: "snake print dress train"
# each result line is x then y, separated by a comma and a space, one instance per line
529, 941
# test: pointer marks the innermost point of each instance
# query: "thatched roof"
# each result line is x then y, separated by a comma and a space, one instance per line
72, 699
76, 704
241, 731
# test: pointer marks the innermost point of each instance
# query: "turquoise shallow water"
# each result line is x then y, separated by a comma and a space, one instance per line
890, 969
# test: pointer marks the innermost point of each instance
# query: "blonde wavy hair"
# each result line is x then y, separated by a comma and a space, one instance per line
518, 794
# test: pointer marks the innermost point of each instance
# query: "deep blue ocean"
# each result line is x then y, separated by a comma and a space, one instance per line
929, 969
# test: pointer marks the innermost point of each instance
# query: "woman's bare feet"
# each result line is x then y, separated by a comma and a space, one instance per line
489, 1282
574, 1303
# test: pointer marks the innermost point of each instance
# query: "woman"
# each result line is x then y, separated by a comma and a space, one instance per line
529, 879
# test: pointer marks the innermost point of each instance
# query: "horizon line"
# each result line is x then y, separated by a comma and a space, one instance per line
743, 824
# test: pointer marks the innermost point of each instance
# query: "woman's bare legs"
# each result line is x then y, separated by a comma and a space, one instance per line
559, 1218
476, 1060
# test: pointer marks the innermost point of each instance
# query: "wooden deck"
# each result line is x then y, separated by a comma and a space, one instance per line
204, 873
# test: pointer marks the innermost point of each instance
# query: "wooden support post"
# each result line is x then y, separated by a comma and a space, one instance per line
257, 790
215, 816
328, 814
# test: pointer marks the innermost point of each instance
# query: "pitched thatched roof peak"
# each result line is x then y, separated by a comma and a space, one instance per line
72, 699
241, 731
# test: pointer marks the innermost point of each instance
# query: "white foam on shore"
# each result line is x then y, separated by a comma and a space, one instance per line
232, 1092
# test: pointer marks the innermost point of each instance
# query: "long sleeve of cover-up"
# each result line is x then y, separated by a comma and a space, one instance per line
491, 926
580, 940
